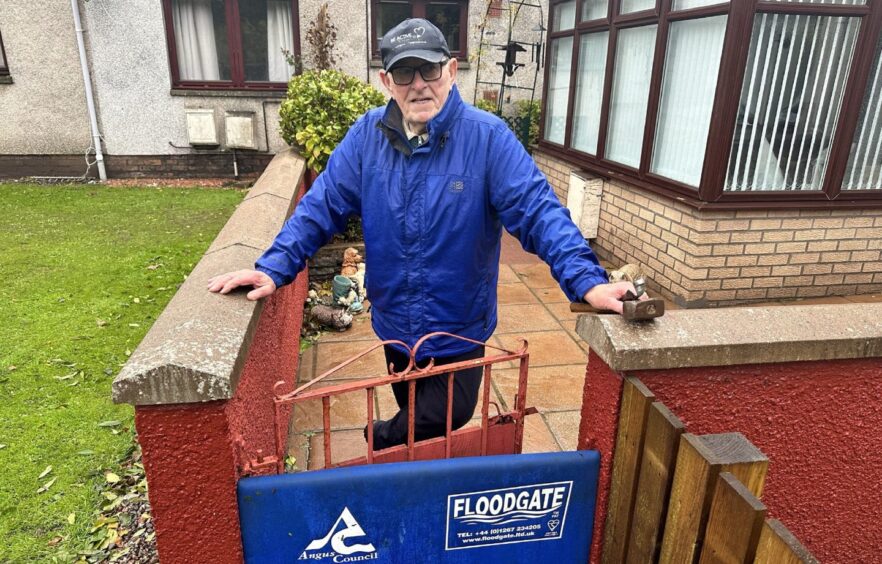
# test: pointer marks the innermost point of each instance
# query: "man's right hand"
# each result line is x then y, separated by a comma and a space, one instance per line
225, 283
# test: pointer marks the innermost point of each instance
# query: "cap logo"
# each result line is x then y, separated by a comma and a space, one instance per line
415, 34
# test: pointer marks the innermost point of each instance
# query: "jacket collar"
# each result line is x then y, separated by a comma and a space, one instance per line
437, 126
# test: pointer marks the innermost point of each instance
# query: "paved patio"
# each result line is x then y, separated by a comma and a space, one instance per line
531, 306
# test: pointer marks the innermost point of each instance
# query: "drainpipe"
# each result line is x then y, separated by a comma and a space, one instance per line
90, 100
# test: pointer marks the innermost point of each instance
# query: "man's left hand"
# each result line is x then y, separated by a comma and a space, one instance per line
609, 296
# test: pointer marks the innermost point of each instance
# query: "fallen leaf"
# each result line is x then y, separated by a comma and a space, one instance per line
12, 368
55, 541
3, 446
137, 300
154, 266
72, 518
128, 352
100, 322
47, 485
134, 324
111, 477
110, 424
44, 473
86, 452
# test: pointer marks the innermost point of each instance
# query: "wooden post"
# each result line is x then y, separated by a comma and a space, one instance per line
636, 400
663, 430
777, 545
699, 463
734, 524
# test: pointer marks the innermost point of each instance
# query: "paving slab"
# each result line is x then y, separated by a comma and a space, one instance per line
524, 318
549, 388
535, 275
545, 347
565, 427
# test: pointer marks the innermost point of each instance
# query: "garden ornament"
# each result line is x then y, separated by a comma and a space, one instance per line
351, 258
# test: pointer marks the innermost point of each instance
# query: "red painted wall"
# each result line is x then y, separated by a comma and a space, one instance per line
601, 399
820, 424
190, 451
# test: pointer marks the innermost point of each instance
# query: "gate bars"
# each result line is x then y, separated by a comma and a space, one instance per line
410, 374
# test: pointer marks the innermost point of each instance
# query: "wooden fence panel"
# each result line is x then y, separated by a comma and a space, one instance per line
734, 524
777, 545
699, 463
663, 430
636, 401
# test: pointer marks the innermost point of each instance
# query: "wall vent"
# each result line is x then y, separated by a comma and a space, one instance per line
239, 128
201, 129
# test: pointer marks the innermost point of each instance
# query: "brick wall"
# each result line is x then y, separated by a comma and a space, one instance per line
193, 165
716, 258
557, 171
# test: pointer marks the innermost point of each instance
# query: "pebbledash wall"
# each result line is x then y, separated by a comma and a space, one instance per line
701, 258
44, 124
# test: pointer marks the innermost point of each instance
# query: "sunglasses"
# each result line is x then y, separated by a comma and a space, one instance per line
402, 76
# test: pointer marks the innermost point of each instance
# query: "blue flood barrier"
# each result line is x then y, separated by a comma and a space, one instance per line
514, 508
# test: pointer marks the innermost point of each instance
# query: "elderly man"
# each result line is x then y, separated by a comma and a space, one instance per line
434, 180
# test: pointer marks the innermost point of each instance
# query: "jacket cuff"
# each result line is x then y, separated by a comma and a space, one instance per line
584, 285
278, 279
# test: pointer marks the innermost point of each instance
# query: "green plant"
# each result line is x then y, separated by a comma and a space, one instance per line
486, 105
525, 109
319, 109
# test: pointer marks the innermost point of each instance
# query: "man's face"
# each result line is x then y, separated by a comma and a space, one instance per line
420, 101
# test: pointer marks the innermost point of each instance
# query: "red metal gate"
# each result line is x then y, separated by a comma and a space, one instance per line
499, 434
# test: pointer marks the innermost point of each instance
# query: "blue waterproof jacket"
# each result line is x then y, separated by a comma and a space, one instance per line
432, 219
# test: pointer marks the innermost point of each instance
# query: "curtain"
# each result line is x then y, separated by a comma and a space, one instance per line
564, 16
194, 37
589, 91
864, 171
630, 94
558, 89
793, 87
692, 63
279, 35
594, 9
629, 6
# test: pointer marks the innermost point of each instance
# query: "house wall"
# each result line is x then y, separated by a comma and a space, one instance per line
716, 258
353, 44
140, 113
43, 110
140, 116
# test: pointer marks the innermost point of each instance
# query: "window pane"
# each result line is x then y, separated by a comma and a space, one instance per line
389, 15
445, 15
686, 4
558, 89
849, 2
266, 30
589, 91
594, 9
793, 85
692, 63
564, 16
201, 39
864, 171
630, 94
629, 6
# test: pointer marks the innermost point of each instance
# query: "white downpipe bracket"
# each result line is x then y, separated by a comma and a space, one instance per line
90, 100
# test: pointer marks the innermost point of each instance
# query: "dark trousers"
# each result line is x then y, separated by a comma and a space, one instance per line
431, 400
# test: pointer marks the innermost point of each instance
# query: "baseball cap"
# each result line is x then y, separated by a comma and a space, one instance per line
413, 37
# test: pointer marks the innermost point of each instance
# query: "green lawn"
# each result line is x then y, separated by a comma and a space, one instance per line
85, 271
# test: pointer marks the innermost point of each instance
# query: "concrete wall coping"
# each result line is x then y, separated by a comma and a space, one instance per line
731, 336
197, 348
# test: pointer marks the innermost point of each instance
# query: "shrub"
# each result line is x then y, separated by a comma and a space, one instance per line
486, 105
319, 109
525, 110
